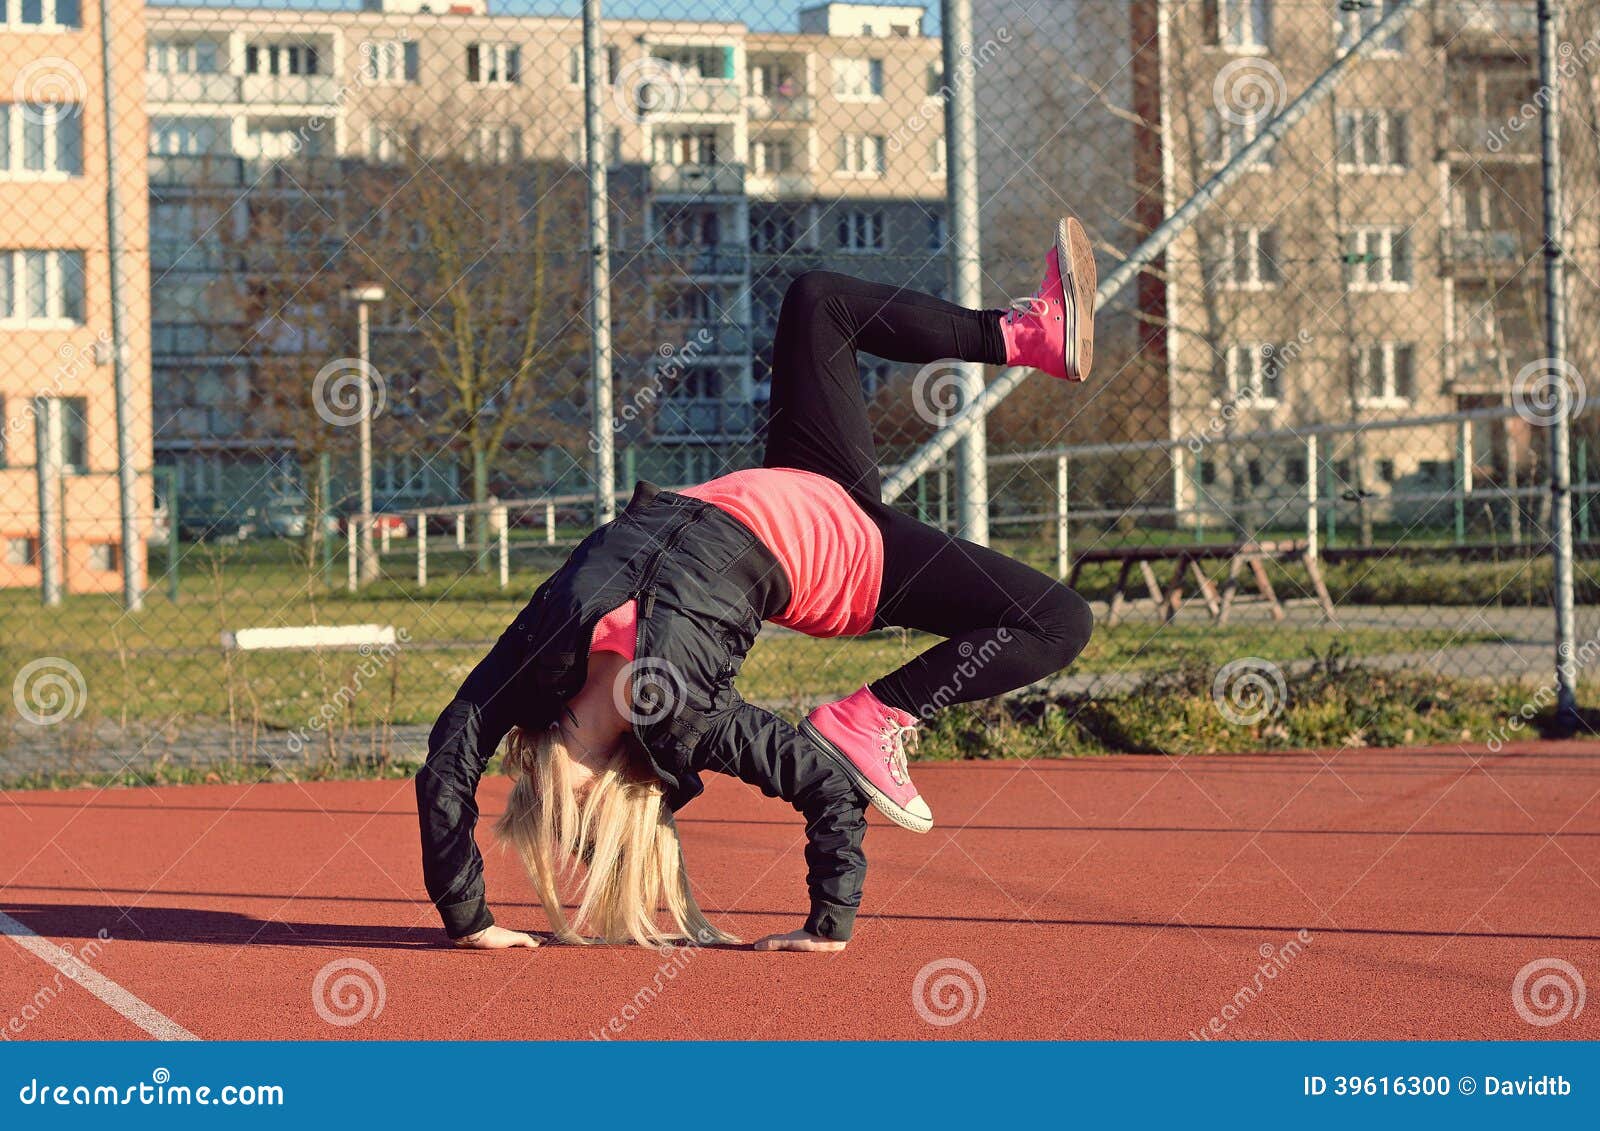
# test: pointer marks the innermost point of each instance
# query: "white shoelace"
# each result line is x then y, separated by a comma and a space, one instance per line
897, 739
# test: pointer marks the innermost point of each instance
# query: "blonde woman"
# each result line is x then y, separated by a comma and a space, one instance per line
616, 682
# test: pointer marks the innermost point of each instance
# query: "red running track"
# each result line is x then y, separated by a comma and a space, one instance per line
1127, 897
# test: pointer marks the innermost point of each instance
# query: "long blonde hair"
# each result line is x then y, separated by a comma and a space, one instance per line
621, 832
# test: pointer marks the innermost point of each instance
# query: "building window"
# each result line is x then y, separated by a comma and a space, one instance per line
938, 230
41, 13
1373, 140
938, 157
1242, 25
862, 155
858, 79
1295, 471
281, 59
693, 147
21, 551
187, 137
861, 230
1226, 137
389, 62
41, 140
495, 144
578, 147
494, 64
389, 142
1208, 473
608, 64
1377, 259
41, 288
774, 234
1353, 23
179, 57
1252, 374
1384, 374
771, 156
1244, 257
75, 434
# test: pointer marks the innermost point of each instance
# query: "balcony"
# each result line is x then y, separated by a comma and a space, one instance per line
1511, 138
688, 96
720, 261
717, 339
1476, 24
778, 107
704, 418
260, 91
779, 185
228, 170
197, 339
1476, 251
210, 88
698, 180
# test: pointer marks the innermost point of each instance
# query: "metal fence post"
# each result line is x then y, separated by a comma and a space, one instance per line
961, 190
594, 80
47, 462
1063, 541
422, 549
133, 549
1312, 525
549, 524
1556, 360
168, 477
1463, 477
353, 529
501, 522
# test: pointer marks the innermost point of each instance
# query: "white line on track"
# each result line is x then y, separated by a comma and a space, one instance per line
151, 1020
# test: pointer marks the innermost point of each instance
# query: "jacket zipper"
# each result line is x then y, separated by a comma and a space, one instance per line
647, 587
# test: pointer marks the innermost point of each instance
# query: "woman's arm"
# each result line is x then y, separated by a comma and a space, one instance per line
460, 745
764, 750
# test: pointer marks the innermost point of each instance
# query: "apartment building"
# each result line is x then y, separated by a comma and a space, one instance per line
55, 284
1382, 261
737, 157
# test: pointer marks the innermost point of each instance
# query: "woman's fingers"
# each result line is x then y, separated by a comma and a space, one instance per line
496, 938
798, 941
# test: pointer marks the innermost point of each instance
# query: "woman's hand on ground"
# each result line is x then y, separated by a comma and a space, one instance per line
495, 938
798, 940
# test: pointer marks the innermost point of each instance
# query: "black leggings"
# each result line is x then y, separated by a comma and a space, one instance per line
1005, 623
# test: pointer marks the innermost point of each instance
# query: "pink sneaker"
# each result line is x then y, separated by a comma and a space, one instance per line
1053, 330
869, 738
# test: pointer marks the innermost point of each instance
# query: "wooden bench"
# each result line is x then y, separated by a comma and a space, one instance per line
1189, 561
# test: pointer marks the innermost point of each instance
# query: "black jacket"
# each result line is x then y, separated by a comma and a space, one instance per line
704, 584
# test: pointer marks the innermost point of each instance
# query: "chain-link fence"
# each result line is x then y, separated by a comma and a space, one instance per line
298, 334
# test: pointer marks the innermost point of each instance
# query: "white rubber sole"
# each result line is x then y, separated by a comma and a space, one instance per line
880, 800
1068, 233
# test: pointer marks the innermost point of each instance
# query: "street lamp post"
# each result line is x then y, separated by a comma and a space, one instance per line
364, 296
